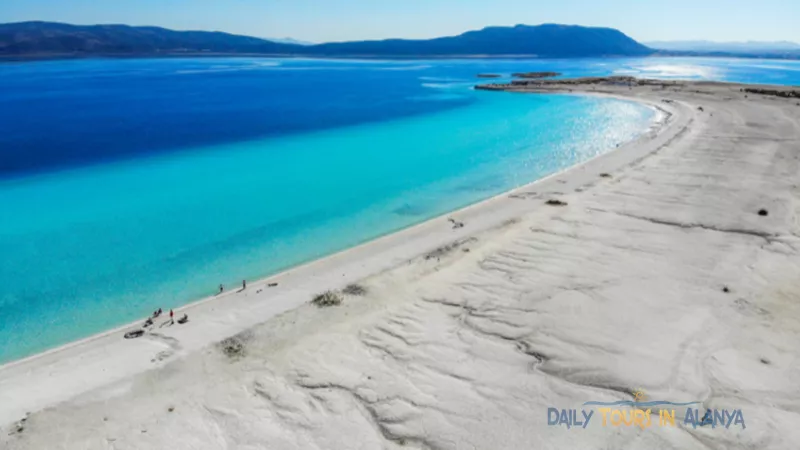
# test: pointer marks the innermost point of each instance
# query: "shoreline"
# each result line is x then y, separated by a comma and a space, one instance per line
12, 59
661, 116
660, 122
668, 267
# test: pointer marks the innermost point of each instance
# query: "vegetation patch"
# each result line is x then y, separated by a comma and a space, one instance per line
355, 289
235, 347
327, 298
445, 249
785, 93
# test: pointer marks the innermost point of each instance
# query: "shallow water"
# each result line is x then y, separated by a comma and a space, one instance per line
130, 185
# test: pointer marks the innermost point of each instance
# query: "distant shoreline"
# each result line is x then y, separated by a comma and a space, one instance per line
7, 59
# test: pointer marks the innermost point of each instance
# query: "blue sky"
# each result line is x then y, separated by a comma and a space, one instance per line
333, 20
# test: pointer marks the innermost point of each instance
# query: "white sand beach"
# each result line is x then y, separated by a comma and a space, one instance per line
657, 273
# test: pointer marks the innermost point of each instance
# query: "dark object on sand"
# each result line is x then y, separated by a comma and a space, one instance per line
726, 289
763, 212
700, 108
456, 224
785, 93
272, 284
355, 289
488, 75
554, 202
148, 322
327, 298
234, 347
134, 334
183, 319
535, 75
605, 175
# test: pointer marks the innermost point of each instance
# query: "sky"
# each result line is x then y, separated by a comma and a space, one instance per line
340, 20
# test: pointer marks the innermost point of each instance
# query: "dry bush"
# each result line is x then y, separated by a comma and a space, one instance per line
235, 347
327, 298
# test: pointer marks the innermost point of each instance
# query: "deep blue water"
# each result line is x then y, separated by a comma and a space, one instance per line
132, 184
58, 114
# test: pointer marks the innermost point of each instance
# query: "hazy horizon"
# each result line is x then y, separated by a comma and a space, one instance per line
345, 20
293, 40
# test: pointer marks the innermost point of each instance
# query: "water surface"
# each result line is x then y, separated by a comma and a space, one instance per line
129, 185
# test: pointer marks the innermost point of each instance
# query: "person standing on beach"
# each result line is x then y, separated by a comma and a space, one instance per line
171, 316
244, 284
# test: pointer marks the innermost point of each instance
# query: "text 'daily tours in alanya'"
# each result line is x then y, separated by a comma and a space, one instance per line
644, 414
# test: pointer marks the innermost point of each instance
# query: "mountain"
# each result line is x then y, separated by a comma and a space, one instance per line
549, 40
30, 38
729, 47
289, 41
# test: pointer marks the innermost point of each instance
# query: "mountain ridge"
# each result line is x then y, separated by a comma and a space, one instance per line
547, 40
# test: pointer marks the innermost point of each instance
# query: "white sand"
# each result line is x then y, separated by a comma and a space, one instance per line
551, 306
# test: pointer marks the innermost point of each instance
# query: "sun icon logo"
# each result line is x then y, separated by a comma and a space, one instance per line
639, 395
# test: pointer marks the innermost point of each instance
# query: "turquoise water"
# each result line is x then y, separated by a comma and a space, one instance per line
91, 248
136, 184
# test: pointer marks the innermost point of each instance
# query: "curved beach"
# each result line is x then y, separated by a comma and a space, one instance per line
654, 271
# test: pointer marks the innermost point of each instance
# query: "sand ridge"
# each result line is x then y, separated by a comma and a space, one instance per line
656, 273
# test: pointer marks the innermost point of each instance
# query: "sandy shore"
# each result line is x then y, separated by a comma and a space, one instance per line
658, 274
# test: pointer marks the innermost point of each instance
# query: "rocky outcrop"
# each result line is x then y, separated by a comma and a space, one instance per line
488, 75
775, 92
492, 87
593, 83
535, 75
567, 83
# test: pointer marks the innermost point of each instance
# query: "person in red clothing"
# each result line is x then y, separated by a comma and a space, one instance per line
171, 315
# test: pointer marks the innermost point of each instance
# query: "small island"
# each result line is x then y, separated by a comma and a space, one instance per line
489, 75
535, 74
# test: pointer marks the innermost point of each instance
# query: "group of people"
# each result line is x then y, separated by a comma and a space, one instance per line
222, 288
157, 313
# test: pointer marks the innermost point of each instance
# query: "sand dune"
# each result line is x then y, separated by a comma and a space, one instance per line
660, 275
